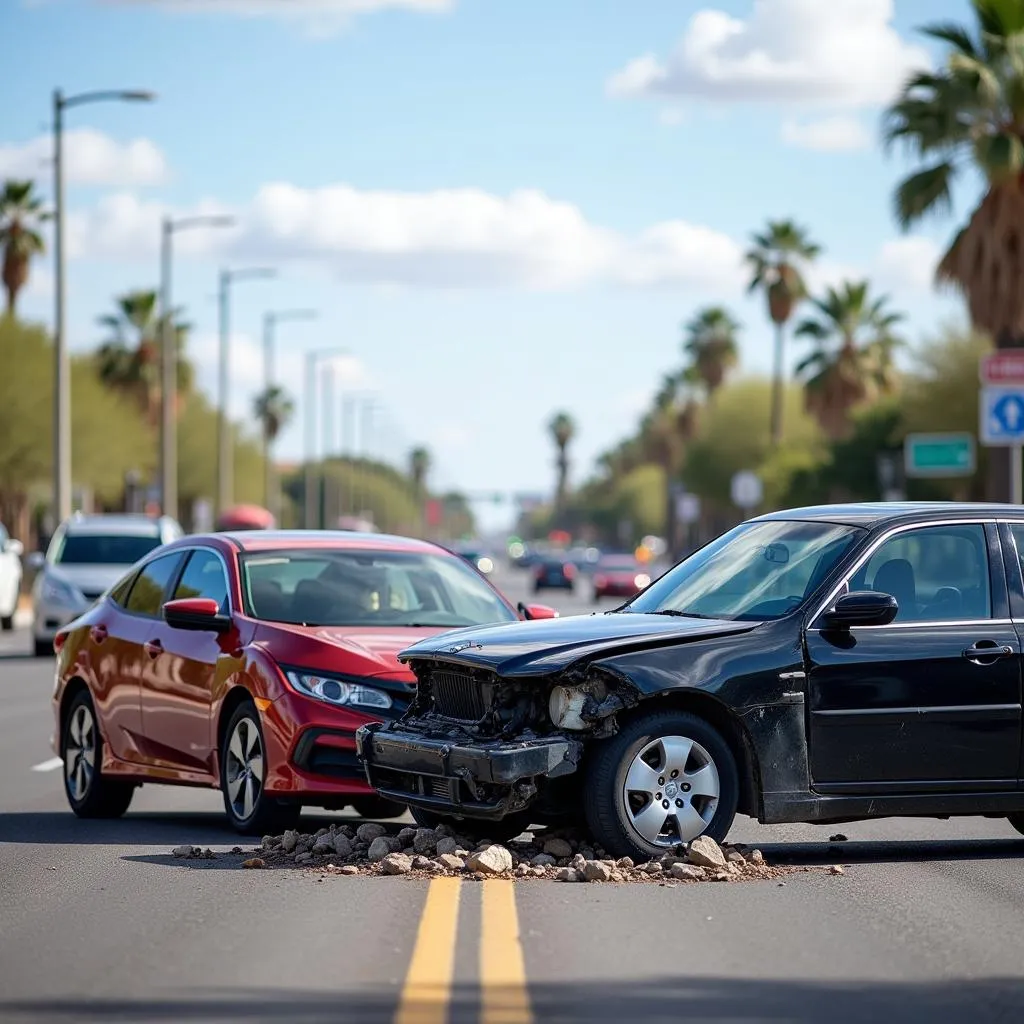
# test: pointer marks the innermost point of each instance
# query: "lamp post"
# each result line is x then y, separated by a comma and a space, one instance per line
270, 322
61, 369
169, 356
225, 464
313, 359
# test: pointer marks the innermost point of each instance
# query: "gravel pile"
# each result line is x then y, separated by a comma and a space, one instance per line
373, 849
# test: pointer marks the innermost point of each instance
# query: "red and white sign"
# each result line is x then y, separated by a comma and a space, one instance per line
1003, 368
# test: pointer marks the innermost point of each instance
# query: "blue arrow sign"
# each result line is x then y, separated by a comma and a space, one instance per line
1002, 415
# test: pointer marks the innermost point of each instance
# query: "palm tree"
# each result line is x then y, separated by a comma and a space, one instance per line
562, 431
419, 467
777, 260
21, 213
969, 116
274, 410
852, 360
711, 345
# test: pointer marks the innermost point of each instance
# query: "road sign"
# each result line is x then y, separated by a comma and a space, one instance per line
746, 489
939, 455
1003, 368
1002, 415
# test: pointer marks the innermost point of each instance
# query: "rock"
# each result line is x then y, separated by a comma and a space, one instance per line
421, 863
289, 840
396, 864
558, 848
268, 841
342, 845
578, 863
735, 857
626, 863
836, 869
595, 871
450, 861
757, 857
348, 869
651, 868
320, 832
303, 858
568, 875
407, 834
837, 838
445, 844
424, 840
687, 872
543, 860
523, 870
706, 853
254, 862
491, 861
323, 846
182, 851
379, 848
369, 831
587, 853
538, 872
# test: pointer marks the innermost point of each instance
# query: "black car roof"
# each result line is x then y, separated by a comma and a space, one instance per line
874, 513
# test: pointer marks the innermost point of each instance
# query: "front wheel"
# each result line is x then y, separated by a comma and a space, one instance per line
500, 831
666, 778
6, 623
89, 792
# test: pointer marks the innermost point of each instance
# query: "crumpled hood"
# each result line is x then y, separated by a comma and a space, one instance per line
91, 579
550, 645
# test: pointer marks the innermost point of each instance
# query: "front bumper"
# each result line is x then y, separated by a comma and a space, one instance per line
485, 779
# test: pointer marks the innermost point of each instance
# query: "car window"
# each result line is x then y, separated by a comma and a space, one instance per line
936, 573
119, 592
147, 594
3, 536
204, 577
103, 549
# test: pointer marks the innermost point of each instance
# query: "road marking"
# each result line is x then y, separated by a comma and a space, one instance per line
428, 983
48, 766
504, 996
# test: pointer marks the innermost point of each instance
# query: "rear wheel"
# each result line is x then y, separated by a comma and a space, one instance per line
42, 648
6, 623
250, 809
89, 792
500, 831
377, 807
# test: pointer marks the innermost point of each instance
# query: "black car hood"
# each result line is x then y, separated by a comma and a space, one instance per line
550, 645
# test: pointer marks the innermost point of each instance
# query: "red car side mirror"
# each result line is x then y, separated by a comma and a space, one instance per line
537, 611
201, 614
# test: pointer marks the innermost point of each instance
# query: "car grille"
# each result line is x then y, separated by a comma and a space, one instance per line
458, 695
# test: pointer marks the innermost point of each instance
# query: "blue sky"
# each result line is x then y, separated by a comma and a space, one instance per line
500, 207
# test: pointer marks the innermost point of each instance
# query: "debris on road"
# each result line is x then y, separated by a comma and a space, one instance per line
193, 853
837, 838
836, 869
254, 862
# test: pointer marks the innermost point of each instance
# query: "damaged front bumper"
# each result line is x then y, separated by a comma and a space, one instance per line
480, 779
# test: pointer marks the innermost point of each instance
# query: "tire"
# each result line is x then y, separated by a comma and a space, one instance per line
1017, 821
89, 792
500, 831
6, 623
43, 648
611, 811
250, 810
377, 807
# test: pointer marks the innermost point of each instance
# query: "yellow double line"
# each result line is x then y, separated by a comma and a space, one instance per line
426, 994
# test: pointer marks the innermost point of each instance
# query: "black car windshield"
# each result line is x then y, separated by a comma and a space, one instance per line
757, 571
104, 549
352, 587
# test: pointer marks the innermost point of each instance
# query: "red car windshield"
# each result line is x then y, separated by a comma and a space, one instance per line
351, 587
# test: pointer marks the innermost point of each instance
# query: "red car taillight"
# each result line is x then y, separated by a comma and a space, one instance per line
58, 642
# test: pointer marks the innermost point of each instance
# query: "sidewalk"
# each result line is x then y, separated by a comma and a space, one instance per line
23, 616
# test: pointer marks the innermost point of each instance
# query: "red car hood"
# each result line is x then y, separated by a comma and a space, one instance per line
351, 650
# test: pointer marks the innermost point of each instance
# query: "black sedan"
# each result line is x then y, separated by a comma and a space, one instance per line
554, 574
817, 665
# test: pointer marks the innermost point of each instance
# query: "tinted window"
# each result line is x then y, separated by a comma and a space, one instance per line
119, 593
147, 593
937, 573
204, 577
104, 549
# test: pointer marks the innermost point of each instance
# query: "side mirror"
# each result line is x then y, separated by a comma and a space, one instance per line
199, 614
861, 608
36, 561
14, 547
537, 611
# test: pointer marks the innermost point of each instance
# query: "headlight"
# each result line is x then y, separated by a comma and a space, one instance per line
565, 705
58, 592
641, 580
338, 691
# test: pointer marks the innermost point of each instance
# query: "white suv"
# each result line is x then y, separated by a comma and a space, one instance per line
10, 578
88, 554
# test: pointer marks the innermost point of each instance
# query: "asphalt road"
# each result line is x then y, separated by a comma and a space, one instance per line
99, 923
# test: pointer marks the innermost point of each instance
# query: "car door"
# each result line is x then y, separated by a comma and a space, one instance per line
1012, 536
932, 701
177, 685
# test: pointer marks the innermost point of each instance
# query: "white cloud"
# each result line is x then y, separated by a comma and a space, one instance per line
445, 239
90, 158
908, 263
838, 53
828, 134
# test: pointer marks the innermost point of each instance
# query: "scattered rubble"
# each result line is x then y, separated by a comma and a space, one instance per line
837, 838
562, 856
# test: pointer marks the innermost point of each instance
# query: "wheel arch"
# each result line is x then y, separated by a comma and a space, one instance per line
233, 699
74, 686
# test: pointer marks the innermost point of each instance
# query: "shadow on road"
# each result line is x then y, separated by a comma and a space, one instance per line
890, 851
654, 1000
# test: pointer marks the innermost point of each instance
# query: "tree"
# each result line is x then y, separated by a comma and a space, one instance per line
710, 343
419, 466
852, 359
274, 410
562, 431
777, 260
21, 214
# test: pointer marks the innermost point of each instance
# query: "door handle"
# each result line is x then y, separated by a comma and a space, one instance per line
987, 651
153, 648
98, 634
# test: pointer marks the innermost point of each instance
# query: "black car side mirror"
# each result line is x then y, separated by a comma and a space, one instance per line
861, 608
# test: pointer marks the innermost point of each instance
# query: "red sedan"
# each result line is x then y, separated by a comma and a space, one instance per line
246, 661
619, 576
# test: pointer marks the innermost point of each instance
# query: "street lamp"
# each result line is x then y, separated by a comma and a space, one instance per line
61, 370
309, 402
169, 353
225, 467
270, 322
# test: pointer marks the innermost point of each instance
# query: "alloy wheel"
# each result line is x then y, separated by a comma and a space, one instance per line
80, 753
671, 791
244, 768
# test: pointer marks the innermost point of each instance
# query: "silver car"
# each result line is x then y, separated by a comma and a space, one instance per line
87, 555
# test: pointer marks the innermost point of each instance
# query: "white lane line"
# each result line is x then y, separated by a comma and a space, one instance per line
48, 766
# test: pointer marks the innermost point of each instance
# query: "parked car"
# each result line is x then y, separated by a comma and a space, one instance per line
554, 574
10, 578
818, 665
619, 576
246, 661
87, 555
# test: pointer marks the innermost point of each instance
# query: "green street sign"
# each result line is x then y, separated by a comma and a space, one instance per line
939, 455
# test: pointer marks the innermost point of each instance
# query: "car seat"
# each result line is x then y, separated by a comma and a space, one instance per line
896, 577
